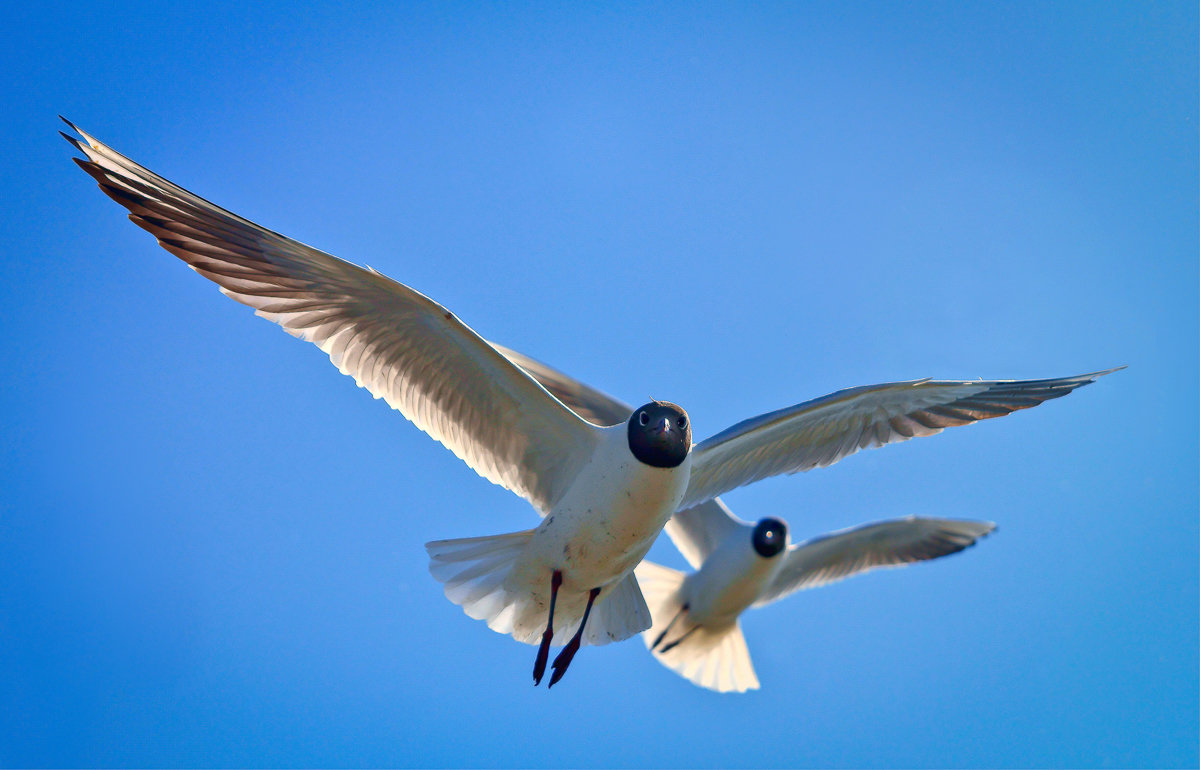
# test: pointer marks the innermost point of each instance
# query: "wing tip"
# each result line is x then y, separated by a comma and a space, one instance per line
969, 528
1069, 384
1097, 375
74, 142
88, 139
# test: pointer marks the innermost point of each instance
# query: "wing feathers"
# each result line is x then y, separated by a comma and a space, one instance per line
395, 342
892, 543
822, 431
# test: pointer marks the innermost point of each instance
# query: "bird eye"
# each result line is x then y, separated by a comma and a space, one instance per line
643, 418
681, 422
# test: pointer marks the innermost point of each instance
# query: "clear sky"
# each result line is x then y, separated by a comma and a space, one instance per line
211, 541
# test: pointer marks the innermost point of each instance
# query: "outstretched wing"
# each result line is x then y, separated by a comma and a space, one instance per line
822, 431
892, 543
398, 344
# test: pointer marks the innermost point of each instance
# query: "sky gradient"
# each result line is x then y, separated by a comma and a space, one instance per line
211, 542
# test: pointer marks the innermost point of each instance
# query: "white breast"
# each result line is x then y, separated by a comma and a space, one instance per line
729, 580
608, 519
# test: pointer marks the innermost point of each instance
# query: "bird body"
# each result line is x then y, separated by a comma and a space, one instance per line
728, 581
608, 519
594, 537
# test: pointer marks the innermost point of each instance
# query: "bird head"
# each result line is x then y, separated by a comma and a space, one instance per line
769, 538
660, 434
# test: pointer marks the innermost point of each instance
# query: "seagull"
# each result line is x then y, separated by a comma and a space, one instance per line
738, 565
604, 491
696, 630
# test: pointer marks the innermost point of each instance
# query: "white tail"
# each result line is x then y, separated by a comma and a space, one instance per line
478, 576
715, 658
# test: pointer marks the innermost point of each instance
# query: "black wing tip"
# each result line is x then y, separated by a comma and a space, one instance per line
74, 142
72, 126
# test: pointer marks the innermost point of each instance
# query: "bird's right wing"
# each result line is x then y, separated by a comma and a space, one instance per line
398, 344
891, 543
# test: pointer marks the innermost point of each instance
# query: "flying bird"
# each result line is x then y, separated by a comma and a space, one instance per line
696, 630
605, 492
738, 565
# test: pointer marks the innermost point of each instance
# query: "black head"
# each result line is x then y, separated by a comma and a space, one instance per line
770, 537
660, 434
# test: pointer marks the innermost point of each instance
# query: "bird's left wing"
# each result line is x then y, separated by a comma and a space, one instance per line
892, 543
822, 431
398, 344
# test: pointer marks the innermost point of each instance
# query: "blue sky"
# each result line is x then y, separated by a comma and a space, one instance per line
211, 542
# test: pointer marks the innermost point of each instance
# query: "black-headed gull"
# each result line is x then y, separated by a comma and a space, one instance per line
739, 564
605, 492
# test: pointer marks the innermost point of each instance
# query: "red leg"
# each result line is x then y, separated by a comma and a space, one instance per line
564, 658
539, 665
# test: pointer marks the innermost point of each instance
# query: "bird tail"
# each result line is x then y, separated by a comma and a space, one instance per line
478, 575
715, 658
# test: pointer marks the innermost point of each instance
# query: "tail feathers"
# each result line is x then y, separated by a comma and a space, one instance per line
714, 658
478, 575
660, 585
619, 613
474, 570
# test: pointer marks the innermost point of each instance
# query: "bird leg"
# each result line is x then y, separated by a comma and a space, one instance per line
660, 637
675, 643
564, 658
539, 665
